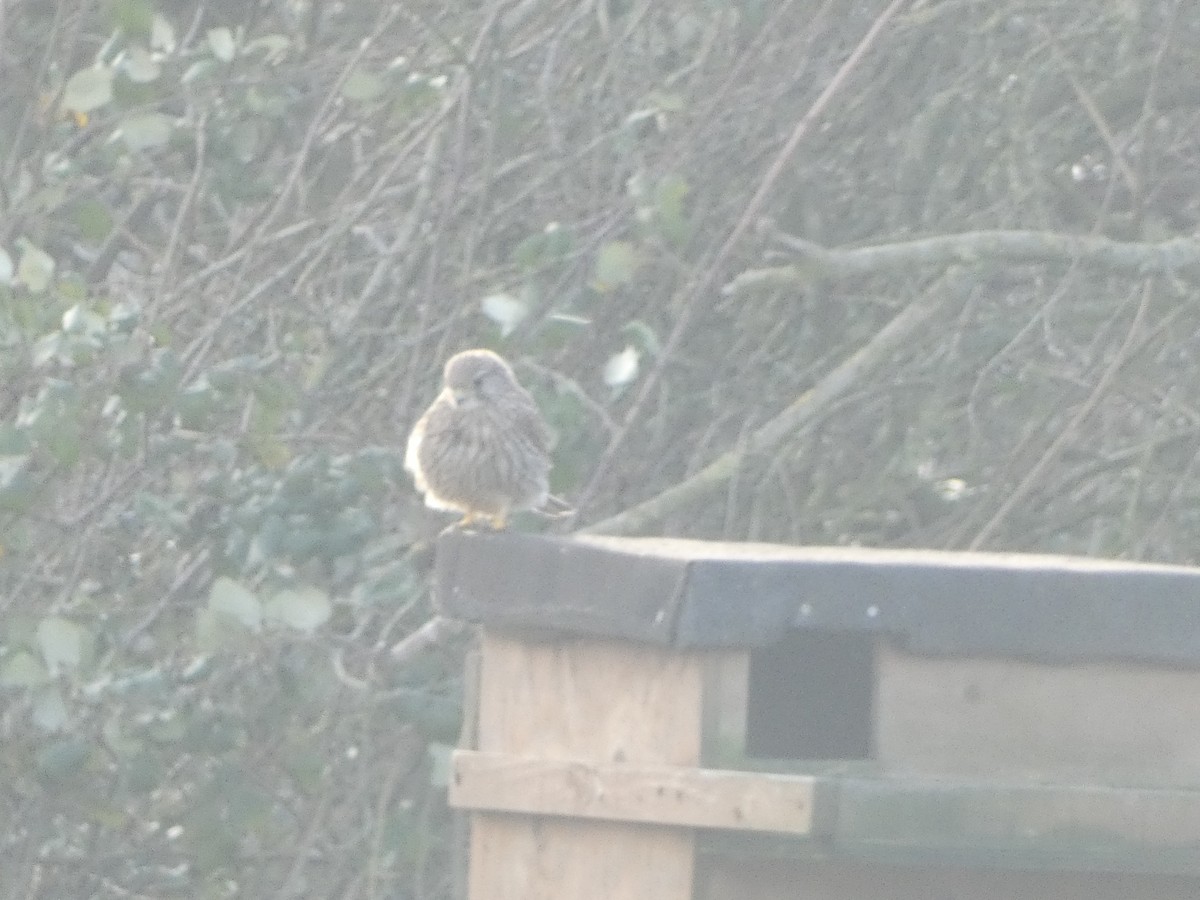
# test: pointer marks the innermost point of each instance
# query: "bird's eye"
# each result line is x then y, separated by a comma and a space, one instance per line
479, 380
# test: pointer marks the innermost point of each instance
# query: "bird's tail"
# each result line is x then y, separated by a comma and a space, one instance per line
555, 508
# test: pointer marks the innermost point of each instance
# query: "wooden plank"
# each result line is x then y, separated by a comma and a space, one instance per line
714, 594
665, 795
726, 688
593, 699
1029, 824
1112, 722
601, 701
994, 823
761, 879
519, 858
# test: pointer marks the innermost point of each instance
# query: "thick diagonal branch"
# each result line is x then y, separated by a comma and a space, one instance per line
803, 410
1178, 256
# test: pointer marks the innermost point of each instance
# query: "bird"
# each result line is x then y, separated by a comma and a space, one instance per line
481, 448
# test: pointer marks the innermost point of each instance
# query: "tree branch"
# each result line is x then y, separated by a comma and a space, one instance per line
803, 410
1177, 256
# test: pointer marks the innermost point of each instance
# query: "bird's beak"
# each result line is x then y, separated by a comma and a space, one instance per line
456, 398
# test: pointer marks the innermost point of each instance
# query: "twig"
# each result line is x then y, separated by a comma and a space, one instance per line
186, 204
785, 424
437, 631
1177, 256
1068, 433
1093, 112
332, 95
749, 215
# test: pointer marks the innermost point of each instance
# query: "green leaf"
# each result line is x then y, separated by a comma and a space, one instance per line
139, 65
530, 253
124, 317
53, 418
636, 186
231, 600
348, 532
273, 46
222, 44
304, 609
93, 219
72, 288
63, 643
622, 368
505, 310
88, 89
23, 670
79, 320
362, 86
669, 213
17, 486
542, 249
559, 241
272, 104
244, 139
616, 264
49, 711
119, 742
154, 386
36, 268
196, 405
63, 758
143, 772
134, 17
559, 328
162, 35
643, 336
49, 348
145, 131
263, 441
199, 71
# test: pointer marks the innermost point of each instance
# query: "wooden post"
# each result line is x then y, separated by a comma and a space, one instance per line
595, 700
992, 726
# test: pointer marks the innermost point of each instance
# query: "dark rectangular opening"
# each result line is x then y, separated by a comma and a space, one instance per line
810, 697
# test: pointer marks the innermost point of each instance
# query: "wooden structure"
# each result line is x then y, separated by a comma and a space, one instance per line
676, 719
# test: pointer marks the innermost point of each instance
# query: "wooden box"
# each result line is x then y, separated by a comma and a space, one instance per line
674, 719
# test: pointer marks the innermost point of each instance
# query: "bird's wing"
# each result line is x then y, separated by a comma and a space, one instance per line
531, 424
412, 462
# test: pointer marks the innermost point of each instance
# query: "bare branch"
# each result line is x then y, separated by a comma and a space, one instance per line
1177, 256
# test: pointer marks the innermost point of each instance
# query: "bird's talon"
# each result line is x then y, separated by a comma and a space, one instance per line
475, 521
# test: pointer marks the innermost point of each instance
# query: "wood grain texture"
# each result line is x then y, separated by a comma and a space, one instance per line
1108, 722
668, 795
1025, 824
600, 701
762, 879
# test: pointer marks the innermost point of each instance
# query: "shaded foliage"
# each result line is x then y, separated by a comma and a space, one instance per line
237, 240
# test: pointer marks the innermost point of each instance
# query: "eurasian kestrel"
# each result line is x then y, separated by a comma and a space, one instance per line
481, 448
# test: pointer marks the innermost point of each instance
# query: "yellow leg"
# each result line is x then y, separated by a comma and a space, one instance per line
474, 519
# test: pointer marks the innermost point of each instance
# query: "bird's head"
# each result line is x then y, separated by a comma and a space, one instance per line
476, 376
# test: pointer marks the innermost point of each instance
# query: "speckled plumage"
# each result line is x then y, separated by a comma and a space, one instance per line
481, 448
